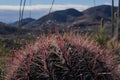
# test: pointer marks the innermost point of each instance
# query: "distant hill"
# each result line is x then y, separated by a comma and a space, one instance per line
88, 18
2, 24
24, 21
65, 15
6, 29
62, 16
103, 11
72, 17
92, 16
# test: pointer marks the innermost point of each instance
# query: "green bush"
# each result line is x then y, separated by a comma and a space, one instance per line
101, 37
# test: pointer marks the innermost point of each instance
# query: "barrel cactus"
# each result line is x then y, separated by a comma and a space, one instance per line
63, 57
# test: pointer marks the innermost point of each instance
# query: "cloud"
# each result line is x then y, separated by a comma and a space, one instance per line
10, 13
42, 7
107, 3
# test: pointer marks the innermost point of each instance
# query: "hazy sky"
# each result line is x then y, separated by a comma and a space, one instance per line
34, 2
9, 8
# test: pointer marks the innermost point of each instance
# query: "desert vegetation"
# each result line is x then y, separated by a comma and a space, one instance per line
62, 57
60, 53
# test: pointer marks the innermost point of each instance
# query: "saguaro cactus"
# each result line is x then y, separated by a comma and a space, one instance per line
112, 15
102, 22
117, 30
119, 20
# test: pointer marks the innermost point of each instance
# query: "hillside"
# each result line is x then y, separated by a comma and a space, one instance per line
74, 18
61, 17
89, 18
24, 21
103, 11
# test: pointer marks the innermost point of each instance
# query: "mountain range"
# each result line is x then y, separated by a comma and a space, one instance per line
23, 21
72, 18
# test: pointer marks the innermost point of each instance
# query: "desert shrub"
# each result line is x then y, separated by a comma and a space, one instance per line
63, 57
114, 45
101, 37
2, 69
